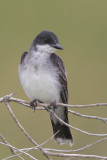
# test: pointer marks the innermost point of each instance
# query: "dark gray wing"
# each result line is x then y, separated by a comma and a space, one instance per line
23, 57
57, 61
64, 133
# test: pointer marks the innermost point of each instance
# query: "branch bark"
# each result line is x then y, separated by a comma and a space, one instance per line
48, 151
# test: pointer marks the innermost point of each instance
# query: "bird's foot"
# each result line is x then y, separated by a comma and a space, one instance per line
33, 104
52, 105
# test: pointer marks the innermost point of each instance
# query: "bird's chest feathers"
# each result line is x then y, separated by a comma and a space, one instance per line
40, 80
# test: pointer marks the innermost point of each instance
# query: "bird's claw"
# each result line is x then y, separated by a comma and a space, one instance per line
52, 105
33, 104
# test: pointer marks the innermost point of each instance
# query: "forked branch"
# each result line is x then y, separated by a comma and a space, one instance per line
49, 151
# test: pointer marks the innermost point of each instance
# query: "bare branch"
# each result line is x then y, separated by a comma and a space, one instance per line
33, 148
14, 148
77, 155
11, 148
91, 134
90, 117
104, 120
20, 101
47, 151
23, 102
23, 130
76, 150
5, 141
66, 151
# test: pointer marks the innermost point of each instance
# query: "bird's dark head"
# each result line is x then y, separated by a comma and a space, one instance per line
46, 42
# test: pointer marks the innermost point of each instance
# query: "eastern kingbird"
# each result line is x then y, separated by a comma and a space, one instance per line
43, 77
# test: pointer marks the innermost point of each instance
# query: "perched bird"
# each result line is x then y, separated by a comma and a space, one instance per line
43, 78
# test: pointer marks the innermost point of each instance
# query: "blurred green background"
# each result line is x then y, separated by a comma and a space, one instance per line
81, 26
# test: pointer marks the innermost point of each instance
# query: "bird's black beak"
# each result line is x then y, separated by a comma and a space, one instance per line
58, 46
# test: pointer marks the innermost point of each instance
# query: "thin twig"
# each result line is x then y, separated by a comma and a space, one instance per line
20, 101
14, 148
45, 106
26, 103
69, 151
91, 134
90, 117
5, 141
33, 148
77, 155
65, 151
46, 151
22, 129
11, 149
76, 150
104, 120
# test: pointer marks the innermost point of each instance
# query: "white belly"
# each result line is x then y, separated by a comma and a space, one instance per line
40, 85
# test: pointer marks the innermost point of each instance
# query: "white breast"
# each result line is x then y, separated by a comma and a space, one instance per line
41, 84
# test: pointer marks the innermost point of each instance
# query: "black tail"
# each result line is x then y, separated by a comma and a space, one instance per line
62, 132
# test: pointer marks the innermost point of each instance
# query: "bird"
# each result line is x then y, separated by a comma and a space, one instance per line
43, 77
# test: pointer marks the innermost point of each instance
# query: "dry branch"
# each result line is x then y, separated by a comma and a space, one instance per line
64, 151
26, 103
18, 150
48, 151
6, 99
